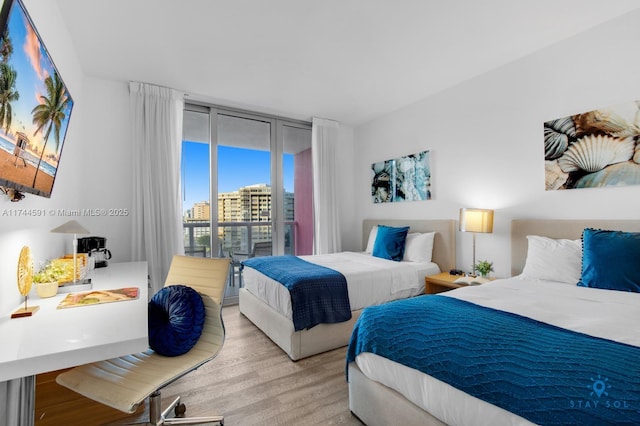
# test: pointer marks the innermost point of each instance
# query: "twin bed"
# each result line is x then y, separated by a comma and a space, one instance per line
532, 349
370, 281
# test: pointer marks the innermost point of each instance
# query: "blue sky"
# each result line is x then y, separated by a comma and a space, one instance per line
236, 168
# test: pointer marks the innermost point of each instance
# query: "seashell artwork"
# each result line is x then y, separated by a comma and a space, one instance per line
593, 153
554, 143
636, 154
601, 122
592, 149
557, 134
621, 174
554, 176
564, 125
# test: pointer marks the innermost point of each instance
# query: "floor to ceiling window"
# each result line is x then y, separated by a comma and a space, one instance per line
196, 179
257, 169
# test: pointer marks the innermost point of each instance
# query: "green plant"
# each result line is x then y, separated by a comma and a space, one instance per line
204, 240
49, 273
483, 267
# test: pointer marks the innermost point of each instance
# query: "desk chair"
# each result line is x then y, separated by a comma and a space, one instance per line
126, 382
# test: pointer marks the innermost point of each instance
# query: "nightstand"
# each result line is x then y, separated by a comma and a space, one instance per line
443, 281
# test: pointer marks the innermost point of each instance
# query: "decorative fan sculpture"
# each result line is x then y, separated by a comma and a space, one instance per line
25, 273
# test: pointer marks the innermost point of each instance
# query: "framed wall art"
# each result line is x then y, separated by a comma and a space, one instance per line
594, 149
405, 178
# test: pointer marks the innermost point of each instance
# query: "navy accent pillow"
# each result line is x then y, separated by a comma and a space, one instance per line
176, 320
390, 242
610, 260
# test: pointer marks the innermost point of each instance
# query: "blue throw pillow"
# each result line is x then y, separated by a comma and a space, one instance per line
390, 242
176, 320
610, 260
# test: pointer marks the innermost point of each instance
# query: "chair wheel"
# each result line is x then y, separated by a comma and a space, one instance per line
180, 409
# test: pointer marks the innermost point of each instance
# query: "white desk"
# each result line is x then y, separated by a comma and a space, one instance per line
53, 339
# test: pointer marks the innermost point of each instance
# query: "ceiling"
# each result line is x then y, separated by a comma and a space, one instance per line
348, 60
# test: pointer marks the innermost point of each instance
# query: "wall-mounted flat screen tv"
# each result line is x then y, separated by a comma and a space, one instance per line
35, 106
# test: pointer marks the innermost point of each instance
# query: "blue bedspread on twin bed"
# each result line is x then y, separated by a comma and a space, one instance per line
546, 374
318, 294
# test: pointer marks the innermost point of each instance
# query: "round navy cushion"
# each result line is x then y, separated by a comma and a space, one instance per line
176, 319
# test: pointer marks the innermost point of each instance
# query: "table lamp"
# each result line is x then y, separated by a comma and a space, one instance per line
475, 221
72, 227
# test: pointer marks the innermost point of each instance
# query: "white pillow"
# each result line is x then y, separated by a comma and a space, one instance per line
553, 260
419, 247
372, 239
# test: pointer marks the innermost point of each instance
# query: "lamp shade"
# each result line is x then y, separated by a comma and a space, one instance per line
71, 227
476, 220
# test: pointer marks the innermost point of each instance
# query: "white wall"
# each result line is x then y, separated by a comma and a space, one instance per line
108, 172
486, 139
16, 228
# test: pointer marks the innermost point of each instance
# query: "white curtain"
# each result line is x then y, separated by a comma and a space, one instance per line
156, 114
18, 402
324, 141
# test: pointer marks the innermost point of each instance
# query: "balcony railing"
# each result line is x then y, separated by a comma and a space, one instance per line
234, 238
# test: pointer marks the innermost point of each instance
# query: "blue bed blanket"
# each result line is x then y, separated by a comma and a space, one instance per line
546, 374
318, 294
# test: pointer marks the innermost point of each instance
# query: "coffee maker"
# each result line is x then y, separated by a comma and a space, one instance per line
96, 248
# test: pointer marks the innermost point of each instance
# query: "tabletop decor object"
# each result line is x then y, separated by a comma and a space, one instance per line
484, 267
47, 280
75, 228
48, 289
25, 273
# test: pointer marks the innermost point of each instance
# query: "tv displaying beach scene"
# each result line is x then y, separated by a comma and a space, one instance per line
35, 106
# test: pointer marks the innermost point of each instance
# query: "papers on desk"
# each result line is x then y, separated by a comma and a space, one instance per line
96, 297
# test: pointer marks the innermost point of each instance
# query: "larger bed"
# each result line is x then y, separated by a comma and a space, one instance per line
268, 304
540, 319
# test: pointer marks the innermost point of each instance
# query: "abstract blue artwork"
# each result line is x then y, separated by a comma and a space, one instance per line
405, 178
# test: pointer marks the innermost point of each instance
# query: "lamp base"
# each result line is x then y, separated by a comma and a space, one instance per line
81, 285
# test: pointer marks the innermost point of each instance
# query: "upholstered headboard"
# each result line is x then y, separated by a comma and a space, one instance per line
444, 244
565, 228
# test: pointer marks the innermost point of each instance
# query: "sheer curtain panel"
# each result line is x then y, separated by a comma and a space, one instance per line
324, 140
17, 406
156, 114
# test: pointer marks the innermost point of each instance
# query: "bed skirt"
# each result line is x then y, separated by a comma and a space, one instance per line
378, 405
296, 344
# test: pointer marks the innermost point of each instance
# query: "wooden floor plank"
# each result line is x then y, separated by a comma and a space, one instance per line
251, 382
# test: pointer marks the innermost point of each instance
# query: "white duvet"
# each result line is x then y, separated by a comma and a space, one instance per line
602, 313
370, 280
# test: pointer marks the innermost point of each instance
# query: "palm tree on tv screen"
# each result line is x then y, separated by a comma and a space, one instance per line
6, 46
8, 94
8, 77
50, 114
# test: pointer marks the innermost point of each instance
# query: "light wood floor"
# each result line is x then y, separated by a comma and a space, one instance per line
251, 382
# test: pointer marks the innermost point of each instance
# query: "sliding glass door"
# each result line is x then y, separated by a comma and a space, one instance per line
196, 181
245, 215
258, 173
